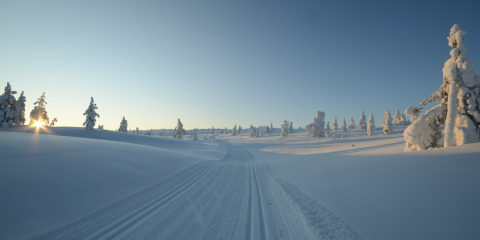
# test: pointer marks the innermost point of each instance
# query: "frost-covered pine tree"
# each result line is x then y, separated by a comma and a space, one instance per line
91, 115
20, 110
291, 128
123, 126
371, 126
335, 125
387, 122
213, 130
344, 125
362, 125
319, 125
271, 127
239, 129
7, 107
352, 124
327, 130
397, 119
234, 132
179, 131
39, 113
459, 110
252, 132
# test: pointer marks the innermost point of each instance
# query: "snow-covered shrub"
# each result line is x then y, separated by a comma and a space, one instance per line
413, 113
179, 131
424, 133
371, 126
234, 131
91, 115
291, 128
7, 107
100, 127
459, 94
344, 125
352, 124
309, 128
319, 125
387, 122
335, 125
39, 113
123, 126
362, 125
327, 130
53, 122
221, 131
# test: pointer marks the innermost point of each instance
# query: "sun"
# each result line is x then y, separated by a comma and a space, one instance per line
38, 124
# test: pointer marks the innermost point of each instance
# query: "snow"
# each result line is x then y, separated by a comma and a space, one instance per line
354, 187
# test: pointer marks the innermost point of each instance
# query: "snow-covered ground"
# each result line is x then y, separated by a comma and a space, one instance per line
73, 183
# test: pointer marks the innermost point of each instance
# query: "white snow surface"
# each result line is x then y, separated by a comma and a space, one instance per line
354, 187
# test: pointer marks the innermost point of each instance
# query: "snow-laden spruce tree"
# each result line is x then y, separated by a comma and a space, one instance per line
19, 118
123, 126
7, 107
39, 113
362, 125
309, 128
91, 115
291, 128
327, 130
213, 130
335, 125
285, 128
371, 126
234, 132
344, 125
271, 127
252, 132
262, 131
267, 129
398, 119
319, 125
239, 129
352, 124
387, 122
179, 131
459, 110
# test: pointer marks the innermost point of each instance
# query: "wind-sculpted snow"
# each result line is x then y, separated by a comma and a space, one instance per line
235, 198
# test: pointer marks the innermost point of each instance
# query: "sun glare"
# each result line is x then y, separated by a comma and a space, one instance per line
38, 124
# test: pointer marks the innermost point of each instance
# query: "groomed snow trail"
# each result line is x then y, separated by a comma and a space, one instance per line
234, 198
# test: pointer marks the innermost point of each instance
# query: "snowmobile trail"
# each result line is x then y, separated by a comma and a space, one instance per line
234, 198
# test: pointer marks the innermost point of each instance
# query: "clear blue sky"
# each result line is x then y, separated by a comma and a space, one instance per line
223, 63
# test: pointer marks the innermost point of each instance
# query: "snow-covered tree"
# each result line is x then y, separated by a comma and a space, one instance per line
327, 130
213, 130
371, 126
19, 118
319, 124
271, 127
221, 131
39, 113
285, 128
309, 128
335, 125
226, 130
253, 131
239, 129
344, 125
352, 124
362, 125
91, 115
52, 123
7, 107
100, 127
137, 131
179, 131
387, 122
291, 128
413, 112
267, 129
397, 119
195, 138
234, 131
459, 97
123, 126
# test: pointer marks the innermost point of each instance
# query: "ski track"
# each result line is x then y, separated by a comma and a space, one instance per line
235, 198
